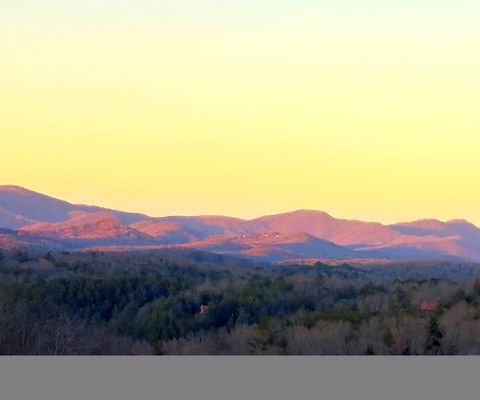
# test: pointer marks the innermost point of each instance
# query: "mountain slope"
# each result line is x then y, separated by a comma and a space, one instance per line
323, 226
20, 207
36, 218
274, 246
11, 220
458, 237
89, 227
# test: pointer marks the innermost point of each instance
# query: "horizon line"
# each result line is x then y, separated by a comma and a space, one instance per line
20, 188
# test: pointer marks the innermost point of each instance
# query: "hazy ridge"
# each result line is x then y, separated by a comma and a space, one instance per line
28, 218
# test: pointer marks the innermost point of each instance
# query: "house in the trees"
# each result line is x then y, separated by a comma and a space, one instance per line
429, 305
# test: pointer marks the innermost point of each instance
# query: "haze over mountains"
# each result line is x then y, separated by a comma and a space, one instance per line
28, 218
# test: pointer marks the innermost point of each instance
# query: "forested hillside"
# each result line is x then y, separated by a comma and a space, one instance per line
190, 302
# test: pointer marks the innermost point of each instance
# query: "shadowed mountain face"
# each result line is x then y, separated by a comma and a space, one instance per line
17, 202
33, 206
11, 220
33, 219
457, 237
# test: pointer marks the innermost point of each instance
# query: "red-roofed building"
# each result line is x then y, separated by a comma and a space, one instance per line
429, 305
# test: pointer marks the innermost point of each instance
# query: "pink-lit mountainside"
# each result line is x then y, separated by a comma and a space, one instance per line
30, 219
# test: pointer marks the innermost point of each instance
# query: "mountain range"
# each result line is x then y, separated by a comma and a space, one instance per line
30, 219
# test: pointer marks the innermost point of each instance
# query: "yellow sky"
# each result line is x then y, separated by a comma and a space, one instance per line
364, 116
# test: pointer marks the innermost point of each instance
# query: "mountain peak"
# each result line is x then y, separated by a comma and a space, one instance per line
308, 211
293, 234
299, 213
15, 189
426, 223
459, 222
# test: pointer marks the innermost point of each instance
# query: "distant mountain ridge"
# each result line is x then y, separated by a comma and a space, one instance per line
29, 218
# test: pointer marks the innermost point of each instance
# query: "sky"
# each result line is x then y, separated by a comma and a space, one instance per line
364, 109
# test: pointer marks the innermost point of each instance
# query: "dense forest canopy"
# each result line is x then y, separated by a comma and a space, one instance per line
191, 302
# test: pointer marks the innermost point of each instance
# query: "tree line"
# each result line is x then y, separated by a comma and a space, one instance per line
188, 302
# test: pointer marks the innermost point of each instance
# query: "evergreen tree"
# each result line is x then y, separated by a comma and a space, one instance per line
433, 344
